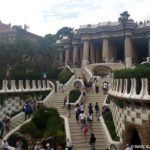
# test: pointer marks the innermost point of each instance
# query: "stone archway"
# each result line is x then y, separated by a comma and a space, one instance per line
131, 135
101, 70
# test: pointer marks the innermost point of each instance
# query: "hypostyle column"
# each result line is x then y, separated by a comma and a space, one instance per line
149, 48
105, 50
92, 53
75, 55
85, 59
61, 56
67, 59
128, 52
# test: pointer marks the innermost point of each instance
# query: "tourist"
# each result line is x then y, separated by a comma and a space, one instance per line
90, 119
84, 95
105, 87
128, 147
97, 111
30, 145
7, 122
27, 110
82, 107
37, 146
69, 109
85, 129
92, 141
65, 101
19, 145
96, 86
48, 147
69, 144
1, 129
81, 117
5, 145
90, 108
77, 111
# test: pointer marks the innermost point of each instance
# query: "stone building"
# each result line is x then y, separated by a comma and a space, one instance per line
106, 42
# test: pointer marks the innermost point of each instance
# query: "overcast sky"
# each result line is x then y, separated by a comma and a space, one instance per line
48, 16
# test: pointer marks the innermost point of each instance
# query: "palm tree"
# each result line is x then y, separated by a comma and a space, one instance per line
123, 19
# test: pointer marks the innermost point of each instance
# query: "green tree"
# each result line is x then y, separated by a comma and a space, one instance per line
65, 31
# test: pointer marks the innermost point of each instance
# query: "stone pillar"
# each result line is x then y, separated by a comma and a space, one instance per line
61, 56
67, 59
105, 50
128, 52
75, 55
149, 48
92, 54
85, 59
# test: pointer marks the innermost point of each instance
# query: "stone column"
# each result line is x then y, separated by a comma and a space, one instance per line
75, 55
92, 54
67, 56
149, 48
61, 56
128, 52
105, 50
85, 59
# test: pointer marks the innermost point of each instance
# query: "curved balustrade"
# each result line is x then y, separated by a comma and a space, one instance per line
42, 85
129, 89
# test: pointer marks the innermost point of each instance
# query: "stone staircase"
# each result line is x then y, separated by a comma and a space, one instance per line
78, 72
15, 122
79, 141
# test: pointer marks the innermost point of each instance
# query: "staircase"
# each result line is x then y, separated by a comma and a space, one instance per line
78, 72
80, 142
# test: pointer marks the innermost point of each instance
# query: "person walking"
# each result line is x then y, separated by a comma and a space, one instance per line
69, 144
7, 122
92, 141
97, 111
65, 101
69, 109
5, 145
1, 129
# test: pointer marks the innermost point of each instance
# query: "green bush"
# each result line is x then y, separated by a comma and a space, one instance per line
119, 103
65, 75
110, 125
141, 71
74, 95
46, 122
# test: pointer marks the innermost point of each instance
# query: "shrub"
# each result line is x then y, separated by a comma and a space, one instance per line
65, 75
141, 71
74, 95
110, 125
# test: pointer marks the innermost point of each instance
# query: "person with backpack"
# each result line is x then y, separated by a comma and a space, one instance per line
92, 141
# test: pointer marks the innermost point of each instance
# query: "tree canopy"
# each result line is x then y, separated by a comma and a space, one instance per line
65, 31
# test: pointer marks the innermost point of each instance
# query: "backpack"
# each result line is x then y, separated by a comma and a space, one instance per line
93, 140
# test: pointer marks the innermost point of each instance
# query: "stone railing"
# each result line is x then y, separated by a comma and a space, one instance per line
127, 88
87, 73
25, 86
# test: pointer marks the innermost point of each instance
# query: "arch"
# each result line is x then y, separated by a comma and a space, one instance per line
101, 70
132, 136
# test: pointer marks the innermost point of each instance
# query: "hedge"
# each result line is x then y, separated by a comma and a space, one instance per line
65, 75
74, 95
110, 125
140, 71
